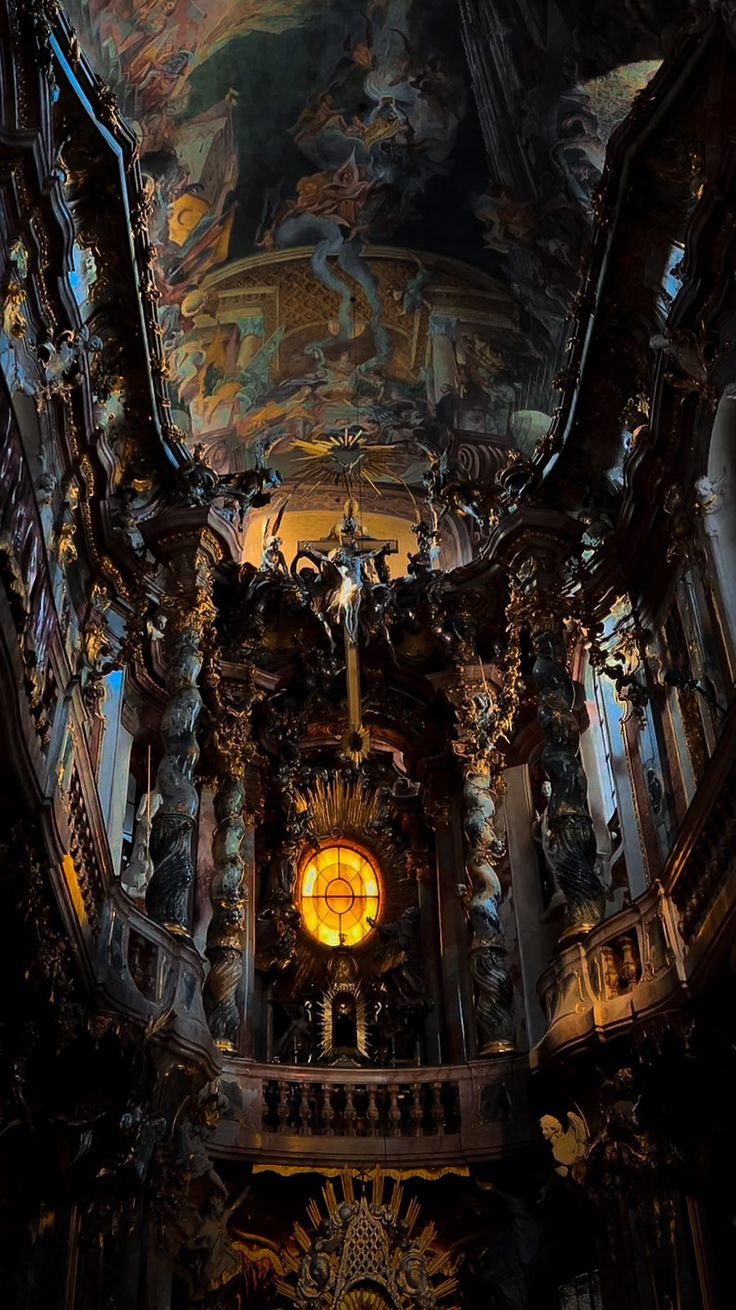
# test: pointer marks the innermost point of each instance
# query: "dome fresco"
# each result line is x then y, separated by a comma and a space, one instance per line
331, 237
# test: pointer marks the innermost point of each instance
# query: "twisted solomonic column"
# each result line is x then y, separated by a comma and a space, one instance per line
568, 835
226, 933
482, 898
172, 834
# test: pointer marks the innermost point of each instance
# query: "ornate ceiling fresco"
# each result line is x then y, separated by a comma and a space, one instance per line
333, 248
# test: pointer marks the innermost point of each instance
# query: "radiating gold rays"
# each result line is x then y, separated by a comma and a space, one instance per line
345, 459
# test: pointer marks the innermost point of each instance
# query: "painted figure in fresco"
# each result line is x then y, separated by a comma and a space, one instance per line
317, 116
339, 196
381, 126
506, 220
411, 300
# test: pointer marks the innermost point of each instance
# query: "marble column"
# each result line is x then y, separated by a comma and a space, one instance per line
482, 897
226, 933
172, 836
568, 835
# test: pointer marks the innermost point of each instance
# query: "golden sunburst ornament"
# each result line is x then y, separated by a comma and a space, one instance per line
345, 459
363, 1246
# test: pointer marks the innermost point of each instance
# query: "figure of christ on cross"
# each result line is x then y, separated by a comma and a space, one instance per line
345, 569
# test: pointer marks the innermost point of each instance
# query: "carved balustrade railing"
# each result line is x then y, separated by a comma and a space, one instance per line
651, 955
429, 1116
628, 966
355, 1109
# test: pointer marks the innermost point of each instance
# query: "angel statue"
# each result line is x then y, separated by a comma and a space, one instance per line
137, 874
447, 488
255, 584
427, 557
399, 959
569, 1145
251, 488
272, 556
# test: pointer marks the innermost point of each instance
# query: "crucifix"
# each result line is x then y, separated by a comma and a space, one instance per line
345, 569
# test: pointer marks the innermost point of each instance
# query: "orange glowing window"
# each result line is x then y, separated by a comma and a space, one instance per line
339, 893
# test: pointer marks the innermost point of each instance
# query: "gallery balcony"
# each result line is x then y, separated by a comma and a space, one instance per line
416, 1117
653, 955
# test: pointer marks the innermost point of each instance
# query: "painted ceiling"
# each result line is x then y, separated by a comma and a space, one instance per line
333, 246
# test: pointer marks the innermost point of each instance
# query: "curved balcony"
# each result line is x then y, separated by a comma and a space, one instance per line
428, 1117
654, 954
153, 978
626, 968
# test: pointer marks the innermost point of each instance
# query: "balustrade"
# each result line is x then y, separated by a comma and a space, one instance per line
648, 956
430, 1116
150, 976
624, 968
357, 1109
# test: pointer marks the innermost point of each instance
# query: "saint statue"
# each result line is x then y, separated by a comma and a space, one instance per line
137, 874
541, 831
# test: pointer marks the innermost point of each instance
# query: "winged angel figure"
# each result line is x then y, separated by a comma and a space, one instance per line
569, 1145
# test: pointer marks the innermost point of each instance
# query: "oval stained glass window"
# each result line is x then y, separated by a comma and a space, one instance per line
339, 892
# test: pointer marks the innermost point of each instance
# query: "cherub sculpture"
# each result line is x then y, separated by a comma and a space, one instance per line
569, 1145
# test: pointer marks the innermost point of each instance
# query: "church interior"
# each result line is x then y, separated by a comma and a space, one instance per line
368, 654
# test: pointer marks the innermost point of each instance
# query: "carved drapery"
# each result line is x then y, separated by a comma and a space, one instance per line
226, 933
172, 835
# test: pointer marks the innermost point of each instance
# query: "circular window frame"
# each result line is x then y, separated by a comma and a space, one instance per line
341, 843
